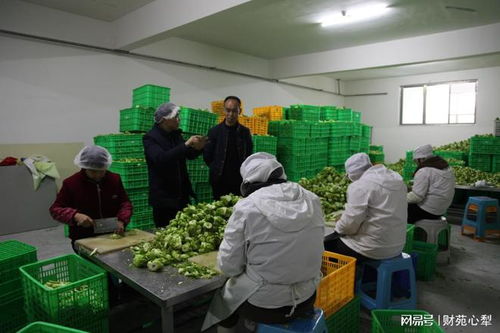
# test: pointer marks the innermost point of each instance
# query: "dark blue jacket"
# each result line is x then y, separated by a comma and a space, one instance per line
216, 149
166, 154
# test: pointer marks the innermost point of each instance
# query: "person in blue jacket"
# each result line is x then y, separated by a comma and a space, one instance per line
230, 143
166, 153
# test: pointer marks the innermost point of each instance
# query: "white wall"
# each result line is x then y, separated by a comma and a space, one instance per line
51, 93
383, 111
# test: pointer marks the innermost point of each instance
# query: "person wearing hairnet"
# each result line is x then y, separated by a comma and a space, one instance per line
271, 251
166, 153
433, 186
230, 143
92, 193
373, 225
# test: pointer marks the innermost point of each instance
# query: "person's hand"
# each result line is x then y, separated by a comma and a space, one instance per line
197, 142
120, 228
190, 142
83, 220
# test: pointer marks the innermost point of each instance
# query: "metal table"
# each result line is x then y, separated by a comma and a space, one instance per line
166, 288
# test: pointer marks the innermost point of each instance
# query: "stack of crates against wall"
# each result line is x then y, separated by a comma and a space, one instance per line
366, 137
136, 119
409, 167
453, 157
257, 125
218, 107
13, 254
196, 121
68, 291
484, 153
265, 143
134, 175
294, 157
328, 113
198, 174
150, 96
346, 319
426, 260
336, 288
384, 321
304, 112
290, 128
376, 154
272, 112
122, 146
338, 151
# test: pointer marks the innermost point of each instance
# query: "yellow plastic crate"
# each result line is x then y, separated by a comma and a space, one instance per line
337, 285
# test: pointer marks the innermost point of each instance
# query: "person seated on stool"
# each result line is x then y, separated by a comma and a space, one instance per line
373, 225
433, 186
271, 251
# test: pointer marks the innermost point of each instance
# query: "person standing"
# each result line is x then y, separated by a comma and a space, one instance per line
166, 153
230, 143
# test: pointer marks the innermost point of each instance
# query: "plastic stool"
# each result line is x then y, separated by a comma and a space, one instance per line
432, 229
314, 324
481, 217
382, 287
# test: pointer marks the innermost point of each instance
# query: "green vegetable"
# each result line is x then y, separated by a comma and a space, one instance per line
155, 265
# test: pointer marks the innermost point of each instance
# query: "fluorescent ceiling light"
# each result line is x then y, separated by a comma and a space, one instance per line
354, 15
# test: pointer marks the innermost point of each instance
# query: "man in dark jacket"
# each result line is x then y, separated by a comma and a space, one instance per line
230, 143
92, 193
166, 153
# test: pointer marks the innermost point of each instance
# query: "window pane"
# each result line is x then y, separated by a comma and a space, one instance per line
437, 104
463, 101
413, 105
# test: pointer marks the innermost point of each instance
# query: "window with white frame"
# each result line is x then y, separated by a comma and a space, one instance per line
439, 103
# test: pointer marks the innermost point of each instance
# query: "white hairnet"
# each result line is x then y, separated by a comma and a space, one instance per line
93, 158
166, 111
356, 165
424, 151
258, 167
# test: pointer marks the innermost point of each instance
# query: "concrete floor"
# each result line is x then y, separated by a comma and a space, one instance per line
469, 285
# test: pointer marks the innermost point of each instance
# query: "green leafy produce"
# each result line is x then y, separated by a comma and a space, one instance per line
331, 187
455, 146
398, 166
468, 176
194, 270
195, 230
55, 284
115, 236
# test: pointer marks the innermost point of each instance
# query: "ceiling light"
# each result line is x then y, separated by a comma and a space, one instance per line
354, 15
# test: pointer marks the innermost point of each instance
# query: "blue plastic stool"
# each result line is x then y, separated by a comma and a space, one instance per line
382, 287
313, 324
481, 217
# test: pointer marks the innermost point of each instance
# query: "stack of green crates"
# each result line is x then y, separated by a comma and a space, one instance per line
136, 119
198, 174
376, 154
196, 121
304, 112
134, 175
426, 261
328, 113
346, 319
485, 153
410, 231
81, 304
265, 143
122, 146
409, 167
13, 254
454, 158
348, 115
290, 128
150, 96
203, 192
338, 150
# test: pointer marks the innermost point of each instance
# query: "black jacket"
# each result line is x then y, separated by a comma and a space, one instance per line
216, 150
166, 154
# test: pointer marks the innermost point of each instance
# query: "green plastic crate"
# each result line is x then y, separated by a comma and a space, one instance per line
142, 219
339, 144
410, 230
42, 327
150, 96
495, 163
11, 290
357, 129
14, 254
317, 146
12, 316
305, 112
296, 163
139, 198
122, 146
265, 143
366, 131
66, 230
289, 128
203, 192
345, 115
136, 119
328, 113
409, 155
377, 148
450, 154
389, 321
291, 146
346, 319
198, 173
354, 143
338, 159
196, 121
129, 168
481, 162
426, 263
341, 128
377, 157
86, 296
320, 129
485, 145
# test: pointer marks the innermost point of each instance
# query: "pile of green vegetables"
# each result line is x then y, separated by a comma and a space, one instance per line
331, 187
468, 176
398, 166
195, 230
455, 146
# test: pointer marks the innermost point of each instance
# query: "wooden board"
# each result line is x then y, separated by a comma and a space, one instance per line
105, 244
207, 259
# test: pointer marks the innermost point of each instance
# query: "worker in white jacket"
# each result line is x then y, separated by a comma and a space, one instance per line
433, 186
271, 251
373, 225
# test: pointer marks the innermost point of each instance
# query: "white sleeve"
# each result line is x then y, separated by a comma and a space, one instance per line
355, 211
231, 258
413, 198
421, 183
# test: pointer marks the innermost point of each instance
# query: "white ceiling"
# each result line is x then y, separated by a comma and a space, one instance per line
104, 10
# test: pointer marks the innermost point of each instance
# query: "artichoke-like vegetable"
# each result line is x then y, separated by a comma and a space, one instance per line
155, 265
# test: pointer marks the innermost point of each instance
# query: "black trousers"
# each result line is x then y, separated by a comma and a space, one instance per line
220, 188
334, 244
270, 316
415, 213
163, 215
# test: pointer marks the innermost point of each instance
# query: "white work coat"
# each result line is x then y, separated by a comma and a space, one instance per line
374, 221
433, 190
271, 250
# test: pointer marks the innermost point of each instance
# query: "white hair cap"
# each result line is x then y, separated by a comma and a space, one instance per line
93, 158
166, 111
424, 151
356, 165
258, 167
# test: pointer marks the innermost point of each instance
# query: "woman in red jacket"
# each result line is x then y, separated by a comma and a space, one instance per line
92, 193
